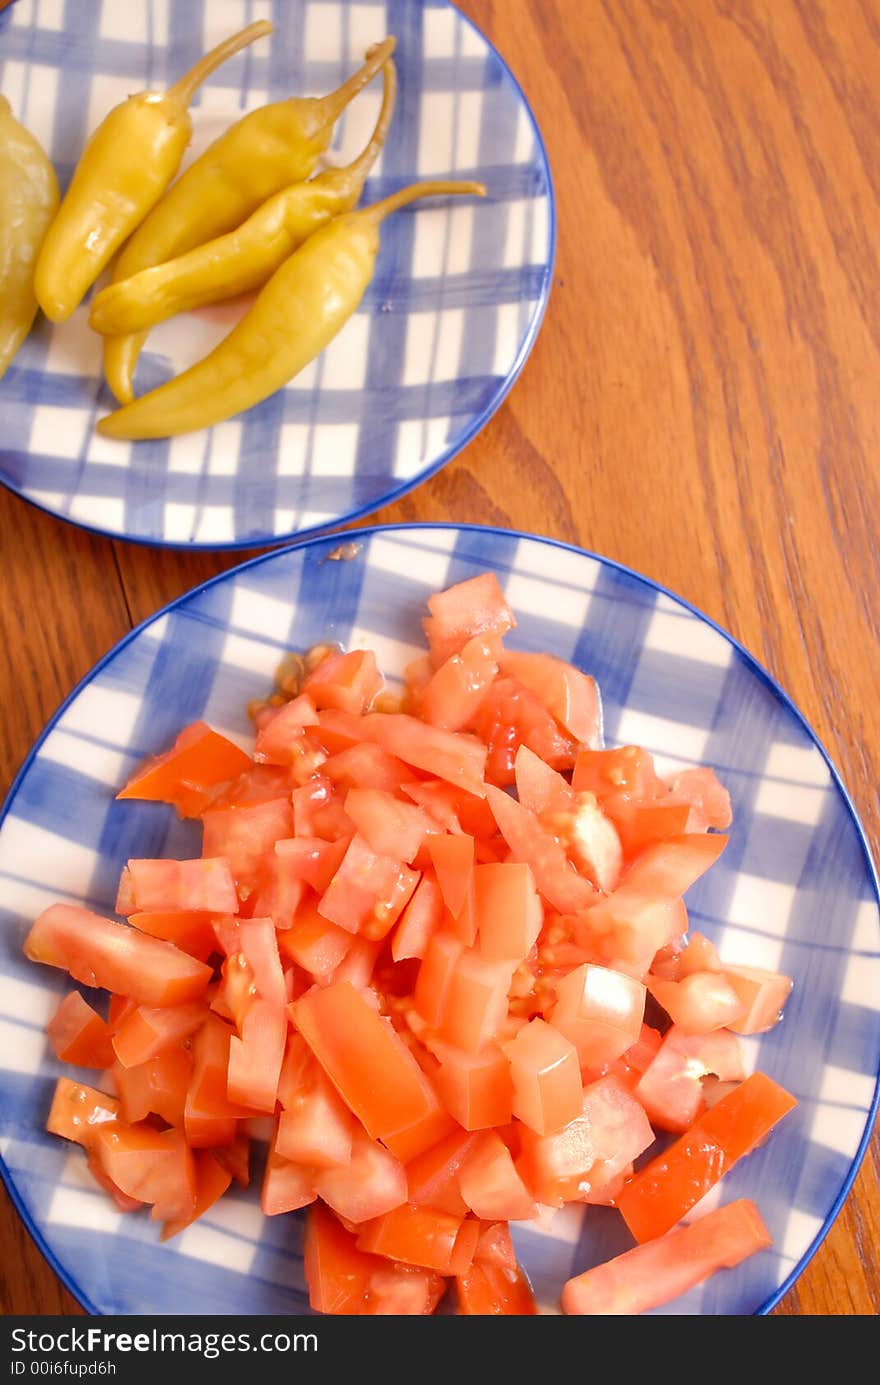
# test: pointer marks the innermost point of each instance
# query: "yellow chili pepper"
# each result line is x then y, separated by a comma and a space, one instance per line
28, 201
255, 158
245, 258
295, 315
125, 167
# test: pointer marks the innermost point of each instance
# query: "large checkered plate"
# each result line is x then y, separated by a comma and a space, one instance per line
795, 889
442, 332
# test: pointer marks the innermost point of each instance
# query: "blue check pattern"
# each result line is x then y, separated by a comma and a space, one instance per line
795, 890
439, 337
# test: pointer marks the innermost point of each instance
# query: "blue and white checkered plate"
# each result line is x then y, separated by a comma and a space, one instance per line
794, 891
440, 336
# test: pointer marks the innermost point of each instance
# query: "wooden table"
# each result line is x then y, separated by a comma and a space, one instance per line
703, 402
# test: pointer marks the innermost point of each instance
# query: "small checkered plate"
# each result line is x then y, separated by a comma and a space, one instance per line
438, 340
795, 890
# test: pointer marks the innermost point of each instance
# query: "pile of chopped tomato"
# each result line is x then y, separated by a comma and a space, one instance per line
433, 987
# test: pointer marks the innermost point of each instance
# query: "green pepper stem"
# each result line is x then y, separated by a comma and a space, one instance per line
360, 167
185, 88
335, 102
379, 210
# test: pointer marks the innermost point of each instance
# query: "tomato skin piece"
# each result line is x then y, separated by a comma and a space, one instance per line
353, 1043
600, 1011
555, 878
191, 932
700, 1002
416, 1235
212, 1180
371, 1184
199, 760
78, 1112
286, 1187
452, 697
571, 696
100, 952
348, 682
474, 607
488, 1290
545, 1072
508, 910
663, 1269
79, 1035
255, 1059
432, 1177
148, 1030
162, 886
763, 995
490, 1183
665, 1190
449, 755
419, 921
475, 1087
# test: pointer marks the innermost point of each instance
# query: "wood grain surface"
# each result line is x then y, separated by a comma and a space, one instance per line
703, 402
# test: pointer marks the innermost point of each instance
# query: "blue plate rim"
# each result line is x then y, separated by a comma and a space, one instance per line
369, 530
476, 426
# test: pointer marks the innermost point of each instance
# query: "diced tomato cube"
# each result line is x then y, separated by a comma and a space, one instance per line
212, 1180
709, 801
419, 921
511, 716
281, 738
337, 1273
371, 1184
508, 910
150, 1029
473, 607
435, 977
78, 1112
449, 755
151, 1166
698, 1003
476, 1001
489, 1290
652, 1274
255, 1059
529, 842
669, 868
158, 1086
242, 836
590, 839
361, 888
366, 766
475, 1087
314, 942
763, 995
490, 1184
316, 1128
191, 932
630, 926
432, 1177
600, 1011
454, 694
205, 885
79, 1035
545, 1073
624, 774
415, 1235
495, 1246
389, 826
349, 682
353, 1043
286, 1187
639, 825
670, 1088
570, 695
